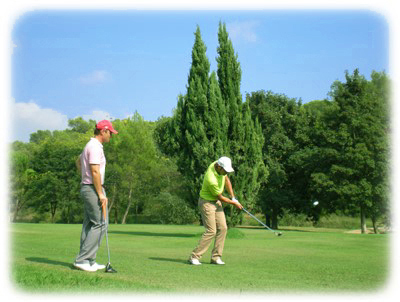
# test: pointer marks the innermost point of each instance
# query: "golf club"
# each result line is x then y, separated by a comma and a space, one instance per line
109, 268
275, 232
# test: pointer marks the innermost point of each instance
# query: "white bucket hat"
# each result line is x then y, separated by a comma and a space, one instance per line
226, 164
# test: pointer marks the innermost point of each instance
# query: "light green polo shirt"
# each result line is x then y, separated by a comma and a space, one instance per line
213, 184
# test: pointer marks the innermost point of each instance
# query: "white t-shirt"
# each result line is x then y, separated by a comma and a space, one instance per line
93, 154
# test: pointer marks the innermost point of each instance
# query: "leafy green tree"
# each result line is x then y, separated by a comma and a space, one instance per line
379, 95
40, 136
362, 134
136, 172
281, 122
170, 209
21, 177
310, 161
44, 193
56, 185
351, 146
81, 126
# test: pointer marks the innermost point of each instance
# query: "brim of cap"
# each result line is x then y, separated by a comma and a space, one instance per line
229, 169
114, 131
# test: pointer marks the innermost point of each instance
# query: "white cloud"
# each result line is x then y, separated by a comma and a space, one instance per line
28, 118
243, 31
97, 115
95, 77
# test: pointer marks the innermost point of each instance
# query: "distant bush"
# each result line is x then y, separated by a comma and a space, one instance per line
340, 222
169, 209
296, 220
249, 221
334, 221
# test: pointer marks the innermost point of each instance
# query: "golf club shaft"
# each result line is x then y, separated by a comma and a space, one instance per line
105, 210
258, 220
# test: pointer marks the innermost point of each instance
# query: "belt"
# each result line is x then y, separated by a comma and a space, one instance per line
92, 185
207, 200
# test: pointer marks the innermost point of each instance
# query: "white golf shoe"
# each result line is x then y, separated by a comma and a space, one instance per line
85, 267
98, 266
194, 261
218, 261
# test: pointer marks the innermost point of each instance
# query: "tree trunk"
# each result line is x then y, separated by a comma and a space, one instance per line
267, 220
16, 211
373, 218
128, 207
116, 214
69, 214
363, 221
112, 200
274, 220
53, 209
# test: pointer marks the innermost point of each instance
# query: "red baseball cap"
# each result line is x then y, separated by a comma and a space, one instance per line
104, 124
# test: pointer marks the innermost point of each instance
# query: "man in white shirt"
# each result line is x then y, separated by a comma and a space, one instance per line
92, 164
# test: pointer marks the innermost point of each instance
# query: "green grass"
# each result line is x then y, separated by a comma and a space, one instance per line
153, 259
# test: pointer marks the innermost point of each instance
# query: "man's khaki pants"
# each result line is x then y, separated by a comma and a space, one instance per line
214, 222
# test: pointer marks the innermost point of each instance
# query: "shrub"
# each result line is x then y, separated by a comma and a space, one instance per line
340, 222
296, 220
170, 209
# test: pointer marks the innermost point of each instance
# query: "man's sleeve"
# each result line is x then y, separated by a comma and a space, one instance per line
94, 155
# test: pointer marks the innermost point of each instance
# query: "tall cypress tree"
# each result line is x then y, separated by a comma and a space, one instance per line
229, 78
195, 145
216, 120
211, 121
244, 135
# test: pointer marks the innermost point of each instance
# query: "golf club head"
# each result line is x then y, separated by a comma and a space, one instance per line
109, 268
279, 234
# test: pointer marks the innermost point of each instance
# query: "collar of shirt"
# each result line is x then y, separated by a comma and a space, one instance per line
97, 141
215, 171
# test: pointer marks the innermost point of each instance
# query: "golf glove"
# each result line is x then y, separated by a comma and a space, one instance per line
234, 199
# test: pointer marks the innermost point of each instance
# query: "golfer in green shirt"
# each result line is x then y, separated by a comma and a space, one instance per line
212, 213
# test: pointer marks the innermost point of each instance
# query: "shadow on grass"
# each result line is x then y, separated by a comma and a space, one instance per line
48, 261
169, 260
278, 230
150, 234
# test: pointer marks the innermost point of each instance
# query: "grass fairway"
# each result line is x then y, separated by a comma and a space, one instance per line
153, 259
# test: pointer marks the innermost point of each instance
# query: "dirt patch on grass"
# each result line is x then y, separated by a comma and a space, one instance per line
369, 231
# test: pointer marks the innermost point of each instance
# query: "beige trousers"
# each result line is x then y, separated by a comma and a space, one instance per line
214, 222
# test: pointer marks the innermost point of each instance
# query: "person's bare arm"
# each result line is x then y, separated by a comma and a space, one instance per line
95, 169
222, 198
228, 186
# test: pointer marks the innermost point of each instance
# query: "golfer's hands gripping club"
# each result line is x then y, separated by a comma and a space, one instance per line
103, 202
237, 204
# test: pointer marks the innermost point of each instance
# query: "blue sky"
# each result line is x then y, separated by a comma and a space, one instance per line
109, 64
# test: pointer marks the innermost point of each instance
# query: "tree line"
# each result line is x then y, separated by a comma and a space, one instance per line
286, 154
